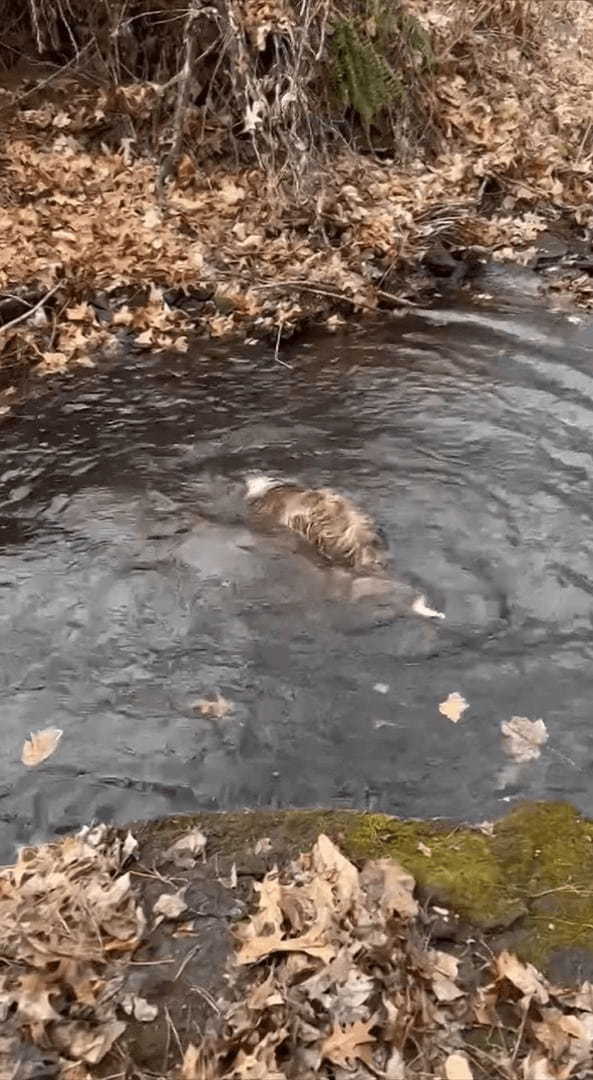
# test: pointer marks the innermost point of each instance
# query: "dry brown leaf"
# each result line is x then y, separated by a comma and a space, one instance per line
87, 1042
391, 888
262, 845
186, 850
457, 1068
170, 906
270, 915
524, 976
453, 707
218, 707
192, 1062
445, 967
445, 990
537, 1067
80, 313
265, 994
255, 949
395, 1068
32, 999
345, 1045
523, 738
139, 1008
328, 861
40, 745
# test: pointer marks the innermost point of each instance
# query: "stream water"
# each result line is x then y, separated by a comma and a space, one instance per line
131, 587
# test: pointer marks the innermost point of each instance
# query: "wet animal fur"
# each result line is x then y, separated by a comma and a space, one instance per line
331, 523
342, 533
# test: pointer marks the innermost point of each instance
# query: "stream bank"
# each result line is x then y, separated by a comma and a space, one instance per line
417, 951
280, 210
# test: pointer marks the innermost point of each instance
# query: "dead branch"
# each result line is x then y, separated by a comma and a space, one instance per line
30, 311
170, 161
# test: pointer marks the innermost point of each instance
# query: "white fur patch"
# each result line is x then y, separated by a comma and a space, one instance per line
259, 485
419, 606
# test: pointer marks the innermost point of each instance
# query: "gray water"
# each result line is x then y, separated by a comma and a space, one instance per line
131, 586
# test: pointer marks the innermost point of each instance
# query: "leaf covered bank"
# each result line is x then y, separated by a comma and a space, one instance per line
244, 167
296, 945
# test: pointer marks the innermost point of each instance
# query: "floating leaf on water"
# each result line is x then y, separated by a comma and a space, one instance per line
40, 745
453, 707
381, 688
218, 707
523, 737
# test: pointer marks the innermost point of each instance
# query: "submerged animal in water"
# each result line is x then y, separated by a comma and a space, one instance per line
331, 523
339, 531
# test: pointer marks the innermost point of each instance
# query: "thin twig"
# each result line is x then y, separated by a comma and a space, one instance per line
277, 349
30, 311
520, 1034
207, 996
185, 962
397, 299
308, 286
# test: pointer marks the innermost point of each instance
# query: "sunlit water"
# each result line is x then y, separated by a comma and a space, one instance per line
131, 586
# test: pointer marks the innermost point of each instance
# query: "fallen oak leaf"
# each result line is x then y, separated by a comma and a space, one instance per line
390, 888
329, 862
344, 1045
40, 745
256, 948
453, 707
219, 707
523, 737
525, 977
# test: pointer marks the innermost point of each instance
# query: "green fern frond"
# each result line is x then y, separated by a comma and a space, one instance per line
364, 79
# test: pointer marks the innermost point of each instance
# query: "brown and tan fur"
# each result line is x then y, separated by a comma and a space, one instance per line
342, 533
330, 522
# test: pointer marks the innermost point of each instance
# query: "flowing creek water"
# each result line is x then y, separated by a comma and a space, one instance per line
131, 586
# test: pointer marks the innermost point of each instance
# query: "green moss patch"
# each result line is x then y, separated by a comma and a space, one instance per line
533, 871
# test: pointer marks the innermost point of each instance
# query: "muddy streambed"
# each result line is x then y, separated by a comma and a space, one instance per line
131, 587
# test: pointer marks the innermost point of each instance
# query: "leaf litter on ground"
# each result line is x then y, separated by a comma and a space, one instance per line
505, 108
333, 975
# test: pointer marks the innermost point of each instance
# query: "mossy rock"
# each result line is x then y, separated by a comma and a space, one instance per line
533, 871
